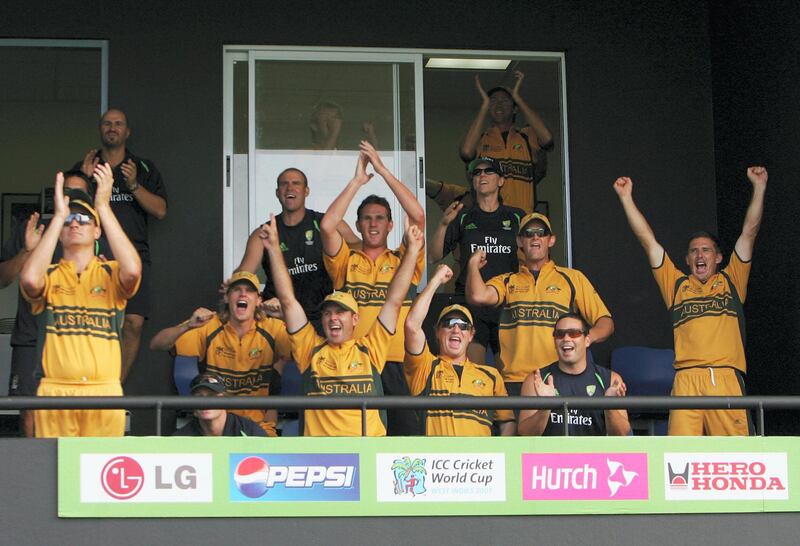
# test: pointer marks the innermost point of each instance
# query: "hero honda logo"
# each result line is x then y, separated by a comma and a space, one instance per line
294, 477
725, 476
584, 476
122, 478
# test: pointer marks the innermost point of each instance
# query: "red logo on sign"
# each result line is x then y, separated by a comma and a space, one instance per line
122, 478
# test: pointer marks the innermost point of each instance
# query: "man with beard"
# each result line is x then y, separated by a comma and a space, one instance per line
238, 344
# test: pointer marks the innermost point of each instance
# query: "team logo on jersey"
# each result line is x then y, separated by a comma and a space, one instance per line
98, 290
590, 390
716, 284
519, 287
355, 364
507, 225
470, 226
309, 237
479, 383
553, 288
385, 268
254, 352
284, 248
361, 268
65, 290
517, 146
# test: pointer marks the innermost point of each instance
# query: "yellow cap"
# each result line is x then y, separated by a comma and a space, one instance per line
342, 299
455, 308
244, 276
530, 218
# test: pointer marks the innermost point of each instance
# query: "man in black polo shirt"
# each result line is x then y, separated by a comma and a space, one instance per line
298, 228
216, 422
573, 375
138, 192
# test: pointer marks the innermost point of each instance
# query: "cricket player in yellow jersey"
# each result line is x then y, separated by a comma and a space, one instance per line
239, 344
366, 273
707, 313
451, 373
522, 152
531, 301
81, 304
341, 364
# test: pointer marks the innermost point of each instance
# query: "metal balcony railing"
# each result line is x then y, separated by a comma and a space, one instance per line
563, 404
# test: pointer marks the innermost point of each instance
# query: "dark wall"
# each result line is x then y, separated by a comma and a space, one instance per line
756, 69
639, 104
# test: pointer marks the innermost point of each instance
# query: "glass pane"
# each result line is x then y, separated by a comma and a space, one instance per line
312, 115
452, 102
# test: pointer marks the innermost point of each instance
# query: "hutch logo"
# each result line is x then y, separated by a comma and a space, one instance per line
725, 476
584, 476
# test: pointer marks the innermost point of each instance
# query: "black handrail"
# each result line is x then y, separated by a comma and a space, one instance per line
364, 403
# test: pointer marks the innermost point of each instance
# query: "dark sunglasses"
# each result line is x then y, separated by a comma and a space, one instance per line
455, 322
82, 219
572, 333
485, 170
531, 231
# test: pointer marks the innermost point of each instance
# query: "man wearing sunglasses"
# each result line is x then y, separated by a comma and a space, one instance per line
489, 225
24, 379
451, 372
532, 299
707, 313
573, 375
83, 300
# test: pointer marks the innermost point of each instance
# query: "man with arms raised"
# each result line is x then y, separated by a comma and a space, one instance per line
573, 375
340, 363
299, 231
82, 300
521, 151
137, 194
531, 301
707, 313
366, 273
239, 344
451, 373
25, 362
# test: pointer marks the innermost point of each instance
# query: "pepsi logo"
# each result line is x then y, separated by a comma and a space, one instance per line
122, 478
251, 477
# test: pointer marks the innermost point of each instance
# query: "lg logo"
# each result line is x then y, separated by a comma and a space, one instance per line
123, 478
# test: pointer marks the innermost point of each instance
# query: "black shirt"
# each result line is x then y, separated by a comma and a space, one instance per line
593, 381
495, 232
132, 217
235, 425
302, 252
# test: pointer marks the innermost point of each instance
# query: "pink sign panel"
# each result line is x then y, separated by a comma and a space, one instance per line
584, 476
